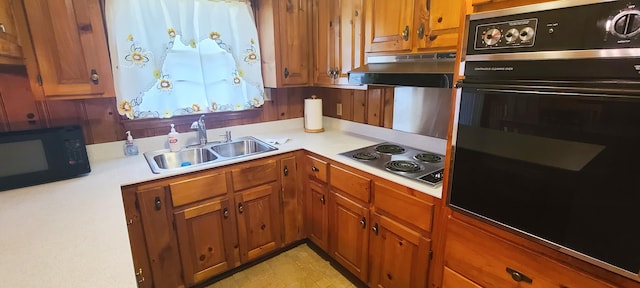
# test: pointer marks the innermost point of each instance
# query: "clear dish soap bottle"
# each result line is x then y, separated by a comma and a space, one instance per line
130, 147
174, 144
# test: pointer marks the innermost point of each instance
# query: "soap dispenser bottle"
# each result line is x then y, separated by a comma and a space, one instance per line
174, 144
130, 147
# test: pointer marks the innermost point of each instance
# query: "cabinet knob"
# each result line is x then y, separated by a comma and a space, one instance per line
375, 228
336, 73
315, 169
157, 204
405, 33
433, 37
95, 77
225, 213
421, 31
519, 277
286, 73
363, 222
322, 199
240, 208
286, 171
2, 28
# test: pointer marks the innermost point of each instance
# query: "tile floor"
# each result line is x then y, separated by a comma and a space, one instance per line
298, 267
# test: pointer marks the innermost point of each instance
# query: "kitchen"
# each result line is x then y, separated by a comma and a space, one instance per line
77, 235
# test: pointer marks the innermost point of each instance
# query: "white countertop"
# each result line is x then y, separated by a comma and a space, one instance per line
72, 233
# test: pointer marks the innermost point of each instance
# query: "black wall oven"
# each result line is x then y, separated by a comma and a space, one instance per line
547, 139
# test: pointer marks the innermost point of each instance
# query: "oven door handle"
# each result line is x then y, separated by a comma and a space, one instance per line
606, 91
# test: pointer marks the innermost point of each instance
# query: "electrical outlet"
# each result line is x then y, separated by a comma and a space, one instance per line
339, 109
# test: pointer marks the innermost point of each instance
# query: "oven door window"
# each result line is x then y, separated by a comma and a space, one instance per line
562, 168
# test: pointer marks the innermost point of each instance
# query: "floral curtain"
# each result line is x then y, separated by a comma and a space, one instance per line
178, 57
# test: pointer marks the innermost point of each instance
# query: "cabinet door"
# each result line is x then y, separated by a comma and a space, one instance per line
326, 25
294, 42
400, 256
206, 237
317, 213
388, 25
351, 50
444, 21
292, 195
349, 235
10, 48
258, 211
162, 247
70, 45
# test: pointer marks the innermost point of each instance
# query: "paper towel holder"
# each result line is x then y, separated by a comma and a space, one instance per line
306, 117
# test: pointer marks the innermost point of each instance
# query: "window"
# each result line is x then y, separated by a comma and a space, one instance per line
180, 57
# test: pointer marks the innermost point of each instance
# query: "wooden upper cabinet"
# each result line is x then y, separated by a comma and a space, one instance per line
489, 5
388, 25
412, 26
284, 30
10, 47
70, 45
338, 40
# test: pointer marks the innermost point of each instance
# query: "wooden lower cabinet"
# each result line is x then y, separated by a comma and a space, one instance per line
259, 230
317, 214
399, 255
349, 228
205, 237
184, 230
491, 261
451, 279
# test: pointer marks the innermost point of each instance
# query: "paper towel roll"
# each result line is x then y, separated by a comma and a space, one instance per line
313, 115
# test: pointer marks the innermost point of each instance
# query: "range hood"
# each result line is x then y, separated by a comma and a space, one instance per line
418, 70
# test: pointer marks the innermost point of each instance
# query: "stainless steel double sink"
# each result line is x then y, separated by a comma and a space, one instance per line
165, 160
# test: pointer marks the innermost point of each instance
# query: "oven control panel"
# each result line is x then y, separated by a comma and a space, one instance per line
508, 34
569, 25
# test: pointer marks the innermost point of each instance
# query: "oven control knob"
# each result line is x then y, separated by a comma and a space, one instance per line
625, 24
491, 36
512, 35
526, 34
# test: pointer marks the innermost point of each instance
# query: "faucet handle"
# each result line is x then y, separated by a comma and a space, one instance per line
227, 136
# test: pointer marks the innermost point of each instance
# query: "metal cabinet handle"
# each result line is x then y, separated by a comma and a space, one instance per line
405, 33
322, 199
286, 171
429, 5
157, 204
363, 222
519, 277
286, 73
315, 169
240, 208
336, 73
375, 228
2, 28
95, 78
225, 213
421, 31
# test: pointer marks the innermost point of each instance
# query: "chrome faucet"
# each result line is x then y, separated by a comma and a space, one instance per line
202, 130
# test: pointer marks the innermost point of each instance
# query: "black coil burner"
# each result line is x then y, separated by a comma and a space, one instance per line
365, 156
390, 149
403, 166
428, 157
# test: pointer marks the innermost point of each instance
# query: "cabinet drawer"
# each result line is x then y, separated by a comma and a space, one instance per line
252, 175
198, 188
351, 183
316, 169
451, 279
485, 259
404, 207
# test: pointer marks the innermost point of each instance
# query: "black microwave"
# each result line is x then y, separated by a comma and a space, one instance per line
40, 156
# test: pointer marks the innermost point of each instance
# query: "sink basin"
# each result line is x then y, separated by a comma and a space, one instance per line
241, 147
182, 158
165, 160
